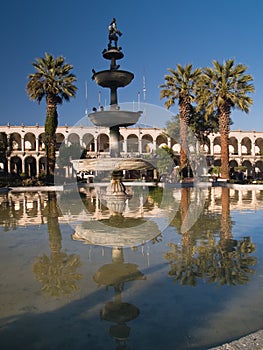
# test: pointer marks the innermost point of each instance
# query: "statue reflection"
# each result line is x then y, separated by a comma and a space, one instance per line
208, 250
118, 312
57, 273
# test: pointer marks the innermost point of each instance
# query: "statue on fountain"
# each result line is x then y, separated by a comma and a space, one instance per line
113, 34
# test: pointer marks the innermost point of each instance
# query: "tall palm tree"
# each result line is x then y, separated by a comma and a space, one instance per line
54, 81
179, 85
225, 87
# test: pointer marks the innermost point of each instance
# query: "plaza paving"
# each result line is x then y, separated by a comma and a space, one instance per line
253, 341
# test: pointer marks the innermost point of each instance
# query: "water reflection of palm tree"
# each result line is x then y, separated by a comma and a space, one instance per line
57, 273
181, 257
231, 261
115, 275
208, 250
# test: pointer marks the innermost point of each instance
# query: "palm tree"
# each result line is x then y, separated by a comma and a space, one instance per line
179, 85
53, 81
223, 87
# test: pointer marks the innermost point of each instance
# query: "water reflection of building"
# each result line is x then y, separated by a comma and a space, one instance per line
28, 154
23, 209
28, 208
240, 199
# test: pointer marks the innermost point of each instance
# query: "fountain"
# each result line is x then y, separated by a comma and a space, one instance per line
114, 118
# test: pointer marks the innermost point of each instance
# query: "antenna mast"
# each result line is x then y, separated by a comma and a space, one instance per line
86, 97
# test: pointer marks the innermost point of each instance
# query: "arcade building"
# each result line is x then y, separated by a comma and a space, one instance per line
27, 154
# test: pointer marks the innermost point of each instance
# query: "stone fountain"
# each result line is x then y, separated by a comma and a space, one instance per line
114, 118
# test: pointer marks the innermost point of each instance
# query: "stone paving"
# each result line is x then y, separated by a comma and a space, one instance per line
253, 341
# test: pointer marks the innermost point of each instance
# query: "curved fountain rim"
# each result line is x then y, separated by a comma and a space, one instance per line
109, 164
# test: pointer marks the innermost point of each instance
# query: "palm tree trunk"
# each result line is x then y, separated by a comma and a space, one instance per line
224, 124
225, 219
183, 137
50, 133
184, 112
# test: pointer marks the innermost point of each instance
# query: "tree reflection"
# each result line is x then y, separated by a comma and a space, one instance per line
56, 273
208, 250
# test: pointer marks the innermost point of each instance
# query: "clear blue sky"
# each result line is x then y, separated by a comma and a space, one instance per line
157, 35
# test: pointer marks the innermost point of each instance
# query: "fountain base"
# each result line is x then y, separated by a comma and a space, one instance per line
116, 194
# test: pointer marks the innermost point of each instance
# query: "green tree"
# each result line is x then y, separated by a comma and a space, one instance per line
54, 81
220, 89
199, 124
66, 153
180, 85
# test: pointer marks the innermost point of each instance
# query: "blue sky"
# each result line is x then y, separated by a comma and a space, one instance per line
157, 35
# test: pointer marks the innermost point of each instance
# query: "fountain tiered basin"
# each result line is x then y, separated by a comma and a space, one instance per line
112, 78
111, 164
112, 118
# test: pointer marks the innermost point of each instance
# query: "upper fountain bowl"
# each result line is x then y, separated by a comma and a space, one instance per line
113, 53
113, 78
114, 117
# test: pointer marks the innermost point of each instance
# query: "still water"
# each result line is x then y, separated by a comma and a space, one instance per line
171, 269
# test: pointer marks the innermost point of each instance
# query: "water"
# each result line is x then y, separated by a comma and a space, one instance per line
185, 270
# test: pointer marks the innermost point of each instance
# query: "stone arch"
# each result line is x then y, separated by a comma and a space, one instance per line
259, 169
89, 142
42, 164
161, 140
232, 165
73, 138
103, 142
30, 141
248, 165
132, 143
217, 145
16, 141
205, 145
246, 146
30, 166
41, 141
233, 145
259, 146
59, 140
16, 165
147, 143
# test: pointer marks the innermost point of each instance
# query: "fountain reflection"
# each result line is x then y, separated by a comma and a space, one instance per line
115, 275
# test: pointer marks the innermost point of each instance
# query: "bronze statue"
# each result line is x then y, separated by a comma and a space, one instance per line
113, 34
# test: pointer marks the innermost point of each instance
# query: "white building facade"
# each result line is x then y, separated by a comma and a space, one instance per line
27, 151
